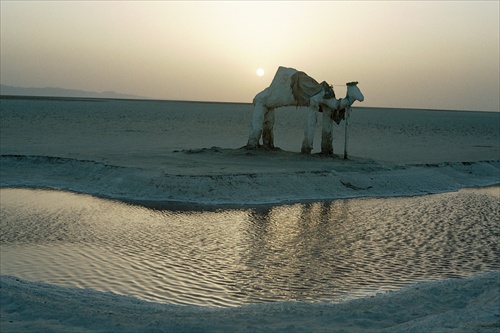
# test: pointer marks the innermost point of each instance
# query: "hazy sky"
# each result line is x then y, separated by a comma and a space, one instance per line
428, 54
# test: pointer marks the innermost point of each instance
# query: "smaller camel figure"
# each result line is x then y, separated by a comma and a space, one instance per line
294, 88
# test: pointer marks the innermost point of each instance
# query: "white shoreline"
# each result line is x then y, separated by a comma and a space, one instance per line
321, 179
452, 305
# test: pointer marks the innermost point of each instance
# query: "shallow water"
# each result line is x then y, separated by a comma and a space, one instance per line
299, 252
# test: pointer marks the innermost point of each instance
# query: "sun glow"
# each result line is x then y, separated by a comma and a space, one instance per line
260, 72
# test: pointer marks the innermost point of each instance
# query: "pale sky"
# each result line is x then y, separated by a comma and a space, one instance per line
409, 54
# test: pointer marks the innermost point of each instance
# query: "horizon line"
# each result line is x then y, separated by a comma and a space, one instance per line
148, 99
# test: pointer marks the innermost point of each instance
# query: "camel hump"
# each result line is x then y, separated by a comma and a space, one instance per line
304, 87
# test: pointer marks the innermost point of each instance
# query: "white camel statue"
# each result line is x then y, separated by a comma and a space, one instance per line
293, 88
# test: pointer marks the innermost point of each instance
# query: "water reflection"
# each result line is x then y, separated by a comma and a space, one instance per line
299, 252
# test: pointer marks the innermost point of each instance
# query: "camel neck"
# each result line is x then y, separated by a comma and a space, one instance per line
345, 102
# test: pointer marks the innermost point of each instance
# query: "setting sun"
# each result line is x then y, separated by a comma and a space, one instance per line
260, 72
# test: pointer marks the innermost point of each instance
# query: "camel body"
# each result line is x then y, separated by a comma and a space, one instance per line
293, 88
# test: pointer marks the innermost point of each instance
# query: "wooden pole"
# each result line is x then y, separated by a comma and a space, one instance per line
348, 113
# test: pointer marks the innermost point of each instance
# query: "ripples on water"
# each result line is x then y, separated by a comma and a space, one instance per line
299, 252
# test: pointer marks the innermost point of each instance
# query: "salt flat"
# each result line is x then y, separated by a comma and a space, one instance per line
161, 152
193, 152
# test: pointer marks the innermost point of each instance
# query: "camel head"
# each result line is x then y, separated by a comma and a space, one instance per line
353, 92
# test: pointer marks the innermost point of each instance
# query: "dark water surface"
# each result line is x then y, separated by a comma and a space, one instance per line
300, 252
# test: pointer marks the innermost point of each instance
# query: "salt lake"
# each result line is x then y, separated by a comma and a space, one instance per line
308, 252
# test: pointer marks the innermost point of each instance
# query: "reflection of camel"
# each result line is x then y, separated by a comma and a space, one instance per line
293, 88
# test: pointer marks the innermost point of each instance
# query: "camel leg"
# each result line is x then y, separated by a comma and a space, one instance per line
307, 144
267, 133
257, 122
326, 132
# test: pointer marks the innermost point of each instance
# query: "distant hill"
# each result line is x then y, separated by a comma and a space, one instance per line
60, 92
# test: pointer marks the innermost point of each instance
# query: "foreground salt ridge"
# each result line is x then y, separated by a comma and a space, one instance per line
453, 305
268, 177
